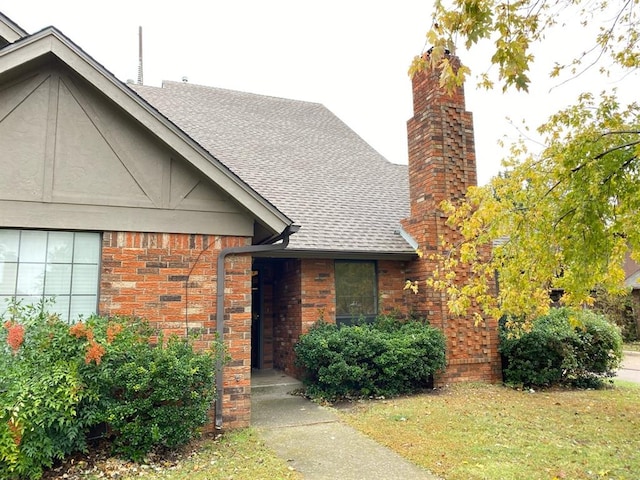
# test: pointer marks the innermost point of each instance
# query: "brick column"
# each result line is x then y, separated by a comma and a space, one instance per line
236, 392
441, 167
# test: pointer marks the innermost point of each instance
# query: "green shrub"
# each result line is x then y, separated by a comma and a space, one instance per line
386, 358
60, 380
563, 347
41, 390
155, 396
598, 350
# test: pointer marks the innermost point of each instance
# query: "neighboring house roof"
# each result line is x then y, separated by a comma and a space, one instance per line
347, 198
24, 51
632, 272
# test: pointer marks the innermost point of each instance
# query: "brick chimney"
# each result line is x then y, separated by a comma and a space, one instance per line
442, 165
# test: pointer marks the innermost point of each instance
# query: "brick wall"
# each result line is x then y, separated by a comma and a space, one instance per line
170, 279
287, 327
306, 293
318, 292
392, 298
442, 167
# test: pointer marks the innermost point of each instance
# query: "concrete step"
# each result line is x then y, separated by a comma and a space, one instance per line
272, 382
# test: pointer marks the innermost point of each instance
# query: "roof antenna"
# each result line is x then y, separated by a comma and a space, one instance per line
140, 55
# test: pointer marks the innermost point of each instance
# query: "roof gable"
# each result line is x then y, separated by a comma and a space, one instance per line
51, 43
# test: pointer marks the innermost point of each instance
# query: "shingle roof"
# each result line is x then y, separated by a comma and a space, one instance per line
300, 157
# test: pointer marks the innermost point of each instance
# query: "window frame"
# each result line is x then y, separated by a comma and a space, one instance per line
351, 318
43, 263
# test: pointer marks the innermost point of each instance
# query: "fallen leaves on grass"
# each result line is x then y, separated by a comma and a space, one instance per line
477, 431
238, 454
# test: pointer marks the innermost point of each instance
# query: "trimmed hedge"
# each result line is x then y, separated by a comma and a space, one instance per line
388, 357
562, 348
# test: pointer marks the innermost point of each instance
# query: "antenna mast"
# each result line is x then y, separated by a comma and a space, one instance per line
140, 55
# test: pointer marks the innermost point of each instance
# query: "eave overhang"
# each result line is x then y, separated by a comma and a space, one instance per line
341, 254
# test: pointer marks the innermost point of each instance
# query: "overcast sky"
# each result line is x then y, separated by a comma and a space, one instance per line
350, 55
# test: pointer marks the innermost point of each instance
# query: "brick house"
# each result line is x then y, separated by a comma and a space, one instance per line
219, 211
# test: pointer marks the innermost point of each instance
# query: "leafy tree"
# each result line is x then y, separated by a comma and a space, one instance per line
559, 219
516, 27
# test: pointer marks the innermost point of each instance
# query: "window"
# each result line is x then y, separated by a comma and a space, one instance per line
356, 291
37, 265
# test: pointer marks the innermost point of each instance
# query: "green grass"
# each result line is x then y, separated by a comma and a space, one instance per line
478, 431
465, 432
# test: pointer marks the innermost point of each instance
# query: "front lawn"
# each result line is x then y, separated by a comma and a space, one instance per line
464, 432
479, 431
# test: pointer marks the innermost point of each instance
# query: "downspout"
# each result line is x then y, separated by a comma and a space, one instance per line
221, 272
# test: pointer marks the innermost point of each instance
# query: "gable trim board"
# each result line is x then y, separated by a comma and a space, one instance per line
112, 218
51, 42
10, 31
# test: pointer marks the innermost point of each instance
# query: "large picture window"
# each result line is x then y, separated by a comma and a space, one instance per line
356, 291
37, 265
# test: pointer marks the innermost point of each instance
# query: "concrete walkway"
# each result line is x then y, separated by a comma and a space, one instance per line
630, 367
315, 443
312, 439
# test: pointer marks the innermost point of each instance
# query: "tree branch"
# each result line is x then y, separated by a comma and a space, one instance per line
616, 148
622, 167
607, 152
602, 47
564, 215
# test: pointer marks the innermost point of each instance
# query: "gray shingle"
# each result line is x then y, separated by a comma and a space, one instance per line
300, 157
